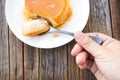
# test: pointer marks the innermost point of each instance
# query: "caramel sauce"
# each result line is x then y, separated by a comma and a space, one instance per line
68, 19
55, 35
52, 8
57, 10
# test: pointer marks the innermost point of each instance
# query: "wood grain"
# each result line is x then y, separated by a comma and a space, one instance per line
60, 64
30, 63
74, 73
115, 15
46, 64
19, 61
16, 58
4, 46
100, 19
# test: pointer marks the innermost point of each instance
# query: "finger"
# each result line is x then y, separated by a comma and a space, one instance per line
94, 68
89, 64
103, 36
81, 58
88, 44
83, 66
76, 50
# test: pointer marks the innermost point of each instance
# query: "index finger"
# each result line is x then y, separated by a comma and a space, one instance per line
103, 36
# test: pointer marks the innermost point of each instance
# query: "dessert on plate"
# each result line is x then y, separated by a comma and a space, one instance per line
42, 14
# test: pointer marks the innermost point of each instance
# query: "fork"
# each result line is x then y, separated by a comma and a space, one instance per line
54, 30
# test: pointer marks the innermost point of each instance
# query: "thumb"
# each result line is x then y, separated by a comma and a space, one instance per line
88, 44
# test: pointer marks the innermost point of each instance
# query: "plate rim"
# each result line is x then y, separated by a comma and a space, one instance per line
39, 46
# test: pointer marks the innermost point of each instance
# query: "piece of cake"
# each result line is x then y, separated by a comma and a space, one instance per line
55, 12
35, 27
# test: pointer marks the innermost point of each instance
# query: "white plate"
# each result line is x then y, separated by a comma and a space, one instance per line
77, 23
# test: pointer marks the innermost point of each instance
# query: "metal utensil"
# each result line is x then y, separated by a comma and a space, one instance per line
53, 30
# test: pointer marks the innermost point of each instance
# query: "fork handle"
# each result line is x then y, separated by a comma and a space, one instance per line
96, 39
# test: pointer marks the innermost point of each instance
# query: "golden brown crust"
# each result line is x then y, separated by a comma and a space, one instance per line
36, 32
34, 27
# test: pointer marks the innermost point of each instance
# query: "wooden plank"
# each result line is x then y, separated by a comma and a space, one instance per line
74, 73
46, 64
115, 15
4, 51
53, 64
99, 21
30, 63
16, 58
60, 64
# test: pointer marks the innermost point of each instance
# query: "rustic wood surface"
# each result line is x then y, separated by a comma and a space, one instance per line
19, 61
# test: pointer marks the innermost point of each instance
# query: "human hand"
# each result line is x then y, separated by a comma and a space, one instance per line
103, 60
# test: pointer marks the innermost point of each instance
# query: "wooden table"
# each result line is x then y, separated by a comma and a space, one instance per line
19, 61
